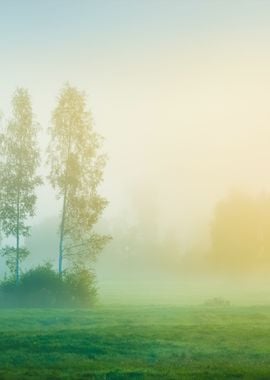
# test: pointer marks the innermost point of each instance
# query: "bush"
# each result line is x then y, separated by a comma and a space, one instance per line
217, 302
43, 287
80, 285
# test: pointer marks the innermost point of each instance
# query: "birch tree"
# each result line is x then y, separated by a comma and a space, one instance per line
76, 170
19, 179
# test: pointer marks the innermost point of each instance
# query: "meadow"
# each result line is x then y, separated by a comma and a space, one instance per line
137, 342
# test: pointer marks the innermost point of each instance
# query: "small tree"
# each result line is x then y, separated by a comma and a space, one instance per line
76, 172
19, 162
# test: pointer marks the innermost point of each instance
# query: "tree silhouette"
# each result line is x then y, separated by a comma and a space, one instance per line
76, 170
19, 162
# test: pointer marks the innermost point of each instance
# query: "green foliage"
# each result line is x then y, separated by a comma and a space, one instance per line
19, 162
42, 287
10, 255
76, 172
80, 286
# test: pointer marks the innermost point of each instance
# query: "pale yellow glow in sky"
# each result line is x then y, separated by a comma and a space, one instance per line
185, 119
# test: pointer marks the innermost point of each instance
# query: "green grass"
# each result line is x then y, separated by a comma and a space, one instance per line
136, 343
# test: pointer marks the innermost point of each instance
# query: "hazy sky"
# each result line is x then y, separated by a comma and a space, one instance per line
179, 89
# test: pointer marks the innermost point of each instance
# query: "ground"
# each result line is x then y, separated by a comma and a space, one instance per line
112, 343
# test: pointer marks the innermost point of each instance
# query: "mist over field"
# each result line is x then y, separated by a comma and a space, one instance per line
134, 189
180, 93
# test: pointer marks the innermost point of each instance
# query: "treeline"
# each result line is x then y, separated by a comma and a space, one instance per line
75, 171
234, 241
240, 239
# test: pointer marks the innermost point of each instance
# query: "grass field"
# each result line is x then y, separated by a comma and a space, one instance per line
136, 343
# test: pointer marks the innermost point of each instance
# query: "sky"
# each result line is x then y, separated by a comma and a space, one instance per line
179, 89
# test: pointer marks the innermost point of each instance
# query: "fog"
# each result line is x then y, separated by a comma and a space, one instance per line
180, 91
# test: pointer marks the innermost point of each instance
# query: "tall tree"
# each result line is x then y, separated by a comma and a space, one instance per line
76, 172
19, 163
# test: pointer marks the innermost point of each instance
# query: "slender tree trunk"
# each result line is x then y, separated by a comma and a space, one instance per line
63, 219
18, 259
62, 232
18, 241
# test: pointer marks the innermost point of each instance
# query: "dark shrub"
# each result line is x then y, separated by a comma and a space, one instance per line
80, 285
42, 287
217, 302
